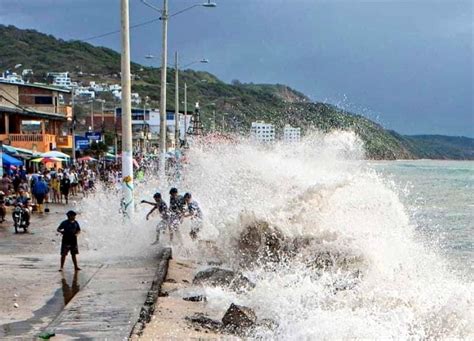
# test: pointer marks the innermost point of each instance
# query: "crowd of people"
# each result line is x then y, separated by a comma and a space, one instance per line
34, 189
180, 207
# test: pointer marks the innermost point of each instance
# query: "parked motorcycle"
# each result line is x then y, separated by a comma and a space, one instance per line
19, 216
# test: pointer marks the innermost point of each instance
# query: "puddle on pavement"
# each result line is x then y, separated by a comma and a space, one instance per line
70, 286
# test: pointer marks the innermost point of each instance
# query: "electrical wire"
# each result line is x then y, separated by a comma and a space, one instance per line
118, 31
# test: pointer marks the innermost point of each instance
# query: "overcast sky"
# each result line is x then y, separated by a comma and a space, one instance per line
408, 64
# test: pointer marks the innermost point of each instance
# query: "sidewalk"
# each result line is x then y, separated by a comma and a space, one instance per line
109, 305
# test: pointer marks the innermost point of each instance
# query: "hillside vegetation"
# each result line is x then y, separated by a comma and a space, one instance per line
228, 107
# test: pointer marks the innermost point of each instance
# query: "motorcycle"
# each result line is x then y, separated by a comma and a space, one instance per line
19, 218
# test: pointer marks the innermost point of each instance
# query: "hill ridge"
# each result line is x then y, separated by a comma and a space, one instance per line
235, 105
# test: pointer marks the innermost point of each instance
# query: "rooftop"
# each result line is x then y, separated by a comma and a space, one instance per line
33, 113
39, 85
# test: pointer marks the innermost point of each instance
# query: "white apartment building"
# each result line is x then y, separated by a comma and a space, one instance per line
11, 78
291, 134
262, 132
61, 79
84, 92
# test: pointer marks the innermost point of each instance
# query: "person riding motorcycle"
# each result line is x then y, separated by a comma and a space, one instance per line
24, 200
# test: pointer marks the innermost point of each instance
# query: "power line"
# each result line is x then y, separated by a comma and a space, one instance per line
118, 31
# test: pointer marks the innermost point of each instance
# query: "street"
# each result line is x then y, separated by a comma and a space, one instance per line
33, 293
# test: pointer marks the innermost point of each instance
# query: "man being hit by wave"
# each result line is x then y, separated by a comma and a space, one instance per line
162, 208
177, 211
194, 212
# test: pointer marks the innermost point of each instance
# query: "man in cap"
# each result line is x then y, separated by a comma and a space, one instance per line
69, 229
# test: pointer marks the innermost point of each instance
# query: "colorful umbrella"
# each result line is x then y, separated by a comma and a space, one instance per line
86, 158
47, 159
55, 154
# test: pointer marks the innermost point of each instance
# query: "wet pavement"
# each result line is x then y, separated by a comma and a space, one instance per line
100, 301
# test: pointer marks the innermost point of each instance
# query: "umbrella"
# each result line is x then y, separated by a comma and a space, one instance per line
47, 159
26, 151
86, 158
55, 154
9, 150
10, 160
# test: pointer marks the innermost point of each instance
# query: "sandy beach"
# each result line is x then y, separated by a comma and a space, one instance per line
169, 321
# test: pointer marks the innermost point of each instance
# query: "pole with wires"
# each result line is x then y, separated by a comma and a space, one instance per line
176, 102
127, 151
164, 62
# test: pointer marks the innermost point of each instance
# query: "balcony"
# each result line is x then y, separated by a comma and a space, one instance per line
37, 142
63, 110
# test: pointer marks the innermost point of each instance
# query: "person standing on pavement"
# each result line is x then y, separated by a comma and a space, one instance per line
65, 186
69, 229
5, 184
40, 191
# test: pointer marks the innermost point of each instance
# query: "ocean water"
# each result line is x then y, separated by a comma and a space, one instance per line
439, 196
366, 250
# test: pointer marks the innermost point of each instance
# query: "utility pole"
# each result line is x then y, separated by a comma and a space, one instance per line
164, 62
73, 128
176, 102
92, 115
185, 113
127, 151
115, 135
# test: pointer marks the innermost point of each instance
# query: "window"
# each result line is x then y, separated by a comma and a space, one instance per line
43, 100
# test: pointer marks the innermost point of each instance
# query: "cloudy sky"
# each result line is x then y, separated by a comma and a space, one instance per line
408, 64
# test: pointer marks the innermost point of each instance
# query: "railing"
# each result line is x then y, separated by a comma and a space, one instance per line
46, 138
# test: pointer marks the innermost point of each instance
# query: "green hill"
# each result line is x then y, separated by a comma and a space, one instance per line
231, 107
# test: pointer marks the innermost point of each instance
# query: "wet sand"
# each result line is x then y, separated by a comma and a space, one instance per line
169, 321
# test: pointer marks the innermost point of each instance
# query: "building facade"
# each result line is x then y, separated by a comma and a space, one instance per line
291, 134
61, 79
32, 117
262, 132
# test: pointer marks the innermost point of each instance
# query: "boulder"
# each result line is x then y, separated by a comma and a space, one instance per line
224, 278
203, 321
195, 298
260, 242
239, 319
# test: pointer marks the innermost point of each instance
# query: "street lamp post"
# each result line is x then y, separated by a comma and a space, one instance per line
164, 61
185, 114
73, 126
176, 102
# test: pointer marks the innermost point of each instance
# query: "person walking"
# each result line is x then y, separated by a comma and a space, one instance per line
40, 190
69, 229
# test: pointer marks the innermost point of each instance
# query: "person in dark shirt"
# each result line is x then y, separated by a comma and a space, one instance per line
69, 229
194, 212
65, 186
159, 205
23, 199
177, 209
